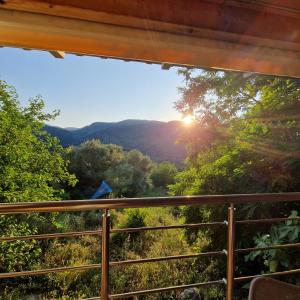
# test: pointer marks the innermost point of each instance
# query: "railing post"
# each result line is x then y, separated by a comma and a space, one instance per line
105, 255
230, 252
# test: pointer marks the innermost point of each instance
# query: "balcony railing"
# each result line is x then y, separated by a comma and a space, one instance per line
107, 204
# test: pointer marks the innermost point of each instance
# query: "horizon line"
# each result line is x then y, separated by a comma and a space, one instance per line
110, 122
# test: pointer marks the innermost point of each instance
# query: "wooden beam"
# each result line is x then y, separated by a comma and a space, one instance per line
57, 54
174, 44
277, 20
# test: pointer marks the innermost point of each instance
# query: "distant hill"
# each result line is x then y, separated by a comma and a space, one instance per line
154, 138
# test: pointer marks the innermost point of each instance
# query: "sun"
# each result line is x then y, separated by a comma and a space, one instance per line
188, 120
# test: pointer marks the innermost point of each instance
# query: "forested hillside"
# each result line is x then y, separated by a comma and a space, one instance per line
157, 139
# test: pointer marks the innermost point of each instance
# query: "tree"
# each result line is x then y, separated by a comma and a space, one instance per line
255, 142
89, 162
163, 174
121, 179
92, 162
142, 166
32, 168
131, 178
245, 140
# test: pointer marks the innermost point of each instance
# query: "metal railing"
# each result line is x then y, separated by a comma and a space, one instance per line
106, 231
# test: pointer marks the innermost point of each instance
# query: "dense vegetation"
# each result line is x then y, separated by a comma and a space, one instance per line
245, 139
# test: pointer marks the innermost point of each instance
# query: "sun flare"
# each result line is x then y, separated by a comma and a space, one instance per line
188, 120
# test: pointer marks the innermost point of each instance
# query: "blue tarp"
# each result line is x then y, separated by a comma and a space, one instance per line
103, 189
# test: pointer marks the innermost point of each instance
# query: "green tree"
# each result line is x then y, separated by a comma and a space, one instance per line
89, 162
252, 128
245, 140
163, 174
121, 179
131, 178
32, 168
128, 173
142, 166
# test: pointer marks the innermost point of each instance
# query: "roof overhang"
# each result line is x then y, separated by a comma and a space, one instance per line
253, 36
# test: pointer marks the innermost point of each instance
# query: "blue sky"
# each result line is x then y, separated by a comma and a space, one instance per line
90, 89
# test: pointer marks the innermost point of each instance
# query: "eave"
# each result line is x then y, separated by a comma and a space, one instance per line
252, 36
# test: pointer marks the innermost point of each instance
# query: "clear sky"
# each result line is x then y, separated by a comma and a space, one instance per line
90, 89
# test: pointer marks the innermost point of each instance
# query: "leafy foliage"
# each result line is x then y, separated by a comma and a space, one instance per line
163, 174
284, 233
32, 168
92, 162
245, 140
248, 133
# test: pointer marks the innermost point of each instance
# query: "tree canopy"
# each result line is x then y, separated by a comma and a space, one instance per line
246, 134
32, 167
128, 173
245, 140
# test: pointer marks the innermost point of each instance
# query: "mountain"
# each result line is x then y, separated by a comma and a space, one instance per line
70, 128
154, 138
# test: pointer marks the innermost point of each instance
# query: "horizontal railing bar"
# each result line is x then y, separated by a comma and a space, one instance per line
283, 273
49, 236
165, 289
99, 232
137, 229
268, 248
163, 258
47, 271
114, 263
271, 220
80, 205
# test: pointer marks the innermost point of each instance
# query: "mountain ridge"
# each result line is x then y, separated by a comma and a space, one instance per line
157, 139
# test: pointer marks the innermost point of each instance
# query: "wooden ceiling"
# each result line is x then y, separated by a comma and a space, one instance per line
246, 35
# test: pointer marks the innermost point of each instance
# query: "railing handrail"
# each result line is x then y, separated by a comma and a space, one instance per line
106, 230
80, 205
